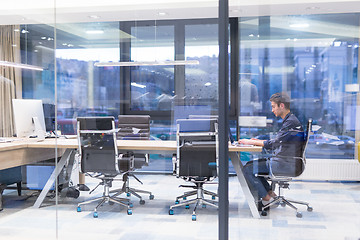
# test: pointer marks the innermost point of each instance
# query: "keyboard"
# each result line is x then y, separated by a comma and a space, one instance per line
4, 140
236, 144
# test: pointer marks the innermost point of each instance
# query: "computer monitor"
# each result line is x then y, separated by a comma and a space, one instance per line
29, 118
49, 116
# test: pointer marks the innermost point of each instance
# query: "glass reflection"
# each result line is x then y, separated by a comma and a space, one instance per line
315, 63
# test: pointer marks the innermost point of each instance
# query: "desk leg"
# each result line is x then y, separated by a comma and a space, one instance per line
235, 159
52, 178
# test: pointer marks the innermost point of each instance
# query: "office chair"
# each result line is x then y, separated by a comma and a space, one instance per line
196, 160
99, 157
282, 180
134, 127
7, 177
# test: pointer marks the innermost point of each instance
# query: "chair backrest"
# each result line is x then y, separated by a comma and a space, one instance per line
197, 148
97, 145
306, 137
292, 166
134, 127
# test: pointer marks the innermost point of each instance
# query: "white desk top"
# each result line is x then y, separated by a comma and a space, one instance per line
122, 144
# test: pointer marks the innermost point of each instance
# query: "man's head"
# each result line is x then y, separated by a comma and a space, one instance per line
280, 104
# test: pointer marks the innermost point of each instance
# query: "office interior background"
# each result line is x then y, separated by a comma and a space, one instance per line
309, 49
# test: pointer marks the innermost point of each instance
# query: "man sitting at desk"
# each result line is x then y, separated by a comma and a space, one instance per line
282, 145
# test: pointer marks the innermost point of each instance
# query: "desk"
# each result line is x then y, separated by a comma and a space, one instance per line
18, 153
234, 154
137, 146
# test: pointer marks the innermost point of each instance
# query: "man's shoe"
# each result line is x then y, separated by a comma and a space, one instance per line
83, 187
260, 206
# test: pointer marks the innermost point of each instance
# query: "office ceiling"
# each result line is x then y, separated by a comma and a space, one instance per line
74, 17
42, 11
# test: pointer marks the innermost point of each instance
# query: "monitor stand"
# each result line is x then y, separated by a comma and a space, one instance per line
39, 132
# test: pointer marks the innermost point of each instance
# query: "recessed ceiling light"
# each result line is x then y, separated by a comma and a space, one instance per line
312, 8
64, 44
16, 30
208, 84
24, 31
43, 38
251, 35
94, 16
94, 31
299, 25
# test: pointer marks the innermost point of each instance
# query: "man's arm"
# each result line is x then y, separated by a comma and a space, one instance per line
253, 141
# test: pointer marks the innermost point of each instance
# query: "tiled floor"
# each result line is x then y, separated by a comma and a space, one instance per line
336, 215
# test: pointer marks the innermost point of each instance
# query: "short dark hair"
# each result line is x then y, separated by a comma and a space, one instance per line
281, 97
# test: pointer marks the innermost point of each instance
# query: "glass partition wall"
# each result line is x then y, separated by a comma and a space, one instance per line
138, 64
313, 58
164, 62
27, 71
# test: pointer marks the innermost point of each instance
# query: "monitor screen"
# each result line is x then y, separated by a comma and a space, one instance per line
29, 117
49, 116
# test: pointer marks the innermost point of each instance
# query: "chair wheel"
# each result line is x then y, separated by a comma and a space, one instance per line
204, 206
299, 214
111, 203
128, 194
213, 197
78, 209
309, 209
95, 215
129, 212
184, 198
283, 204
177, 202
193, 217
151, 197
142, 202
131, 205
263, 213
187, 207
171, 212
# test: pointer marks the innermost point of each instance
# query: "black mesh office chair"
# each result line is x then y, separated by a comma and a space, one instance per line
99, 158
282, 180
196, 160
134, 127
